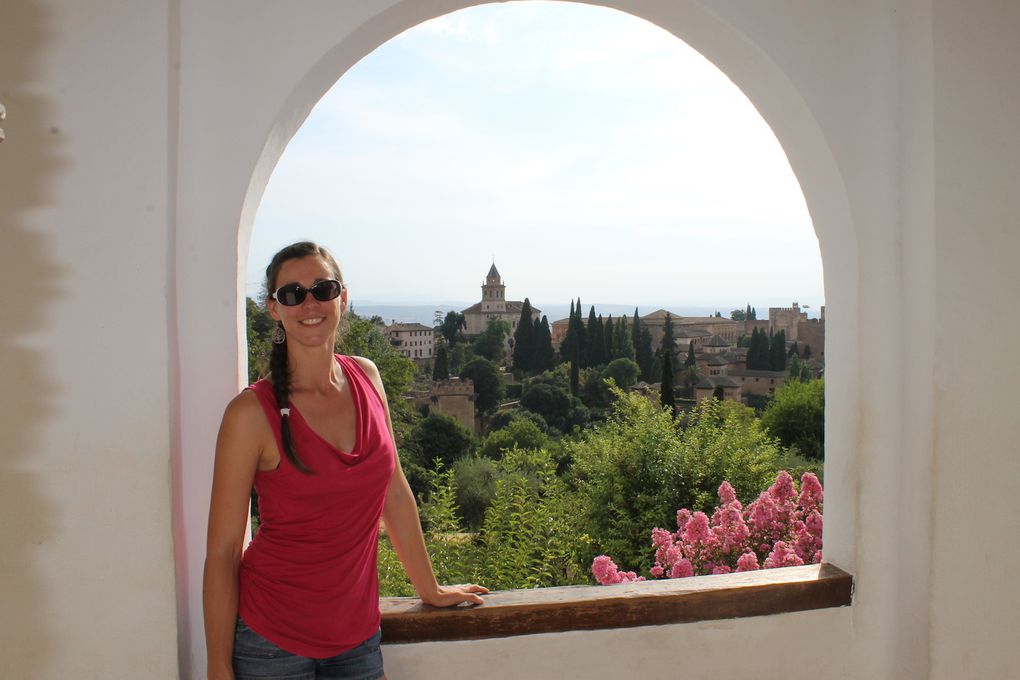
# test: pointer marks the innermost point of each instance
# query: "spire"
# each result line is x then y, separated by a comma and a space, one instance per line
493, 272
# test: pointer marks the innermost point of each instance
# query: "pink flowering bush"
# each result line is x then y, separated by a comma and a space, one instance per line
782, 528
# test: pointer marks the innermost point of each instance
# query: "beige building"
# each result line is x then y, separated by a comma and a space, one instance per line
494, 306
413, 340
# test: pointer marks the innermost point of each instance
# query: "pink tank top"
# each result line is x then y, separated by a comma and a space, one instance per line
308, 580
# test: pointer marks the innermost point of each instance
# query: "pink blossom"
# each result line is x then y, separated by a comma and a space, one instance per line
683, 515
682, 569
748, 562
726, 493
607, 573
782, 555
697, 530
782, 489
811, 493
780, 524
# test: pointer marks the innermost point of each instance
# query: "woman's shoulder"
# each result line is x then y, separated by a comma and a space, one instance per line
371, 371
247, 404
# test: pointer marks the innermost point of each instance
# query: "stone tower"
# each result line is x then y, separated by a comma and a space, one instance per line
493, 293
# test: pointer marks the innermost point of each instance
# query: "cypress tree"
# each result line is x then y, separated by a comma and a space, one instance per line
794, 351
624, 342
544, 356
668, 341
524, 340
754, 315
777, 352
747, 312
666, 396
690, 362
596, 343
806, 354
441, 366
609, 335
635, 330
569, 338
764, 359
581, 333
758, 352
645, 357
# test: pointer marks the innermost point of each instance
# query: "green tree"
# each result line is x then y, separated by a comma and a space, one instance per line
806, 354
440, 437
524, 340
624, 372
796, 415
794, 350
624, 342
777, 352
574, 346
559, 408
452, 328
690, 361
441, 366
476, 486
645, 357
666, 396
609, 350
259, 329
521, 432
668, 341
488, 383
491, 344
738, 315
596, 343
545, 358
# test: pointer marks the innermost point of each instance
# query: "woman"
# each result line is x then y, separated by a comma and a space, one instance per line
315, 441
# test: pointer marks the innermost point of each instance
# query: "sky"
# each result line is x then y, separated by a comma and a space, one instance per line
586, 151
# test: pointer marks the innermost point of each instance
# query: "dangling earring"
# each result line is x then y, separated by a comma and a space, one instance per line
279, 335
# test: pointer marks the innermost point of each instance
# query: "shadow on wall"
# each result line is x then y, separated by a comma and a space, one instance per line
31, 279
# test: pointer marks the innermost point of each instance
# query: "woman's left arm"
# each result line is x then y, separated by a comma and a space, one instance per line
403, 526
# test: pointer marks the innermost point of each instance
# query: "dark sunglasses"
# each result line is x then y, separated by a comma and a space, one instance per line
294, 293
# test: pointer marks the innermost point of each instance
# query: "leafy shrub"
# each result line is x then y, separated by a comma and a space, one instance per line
532, 535
797, 417
441, 437
476, 486
520, 432
634, 468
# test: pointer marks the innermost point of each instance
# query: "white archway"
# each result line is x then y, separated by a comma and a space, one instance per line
230, 144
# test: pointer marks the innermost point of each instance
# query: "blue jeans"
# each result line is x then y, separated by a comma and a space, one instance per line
256, 658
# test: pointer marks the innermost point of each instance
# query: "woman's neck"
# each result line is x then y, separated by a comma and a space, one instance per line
313, 369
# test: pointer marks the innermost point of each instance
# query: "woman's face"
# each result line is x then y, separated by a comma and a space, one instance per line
311, 323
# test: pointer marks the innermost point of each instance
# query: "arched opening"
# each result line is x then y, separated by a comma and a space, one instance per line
764, 82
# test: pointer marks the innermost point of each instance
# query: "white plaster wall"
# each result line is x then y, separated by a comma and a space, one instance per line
975, 594
761, 648
86, 562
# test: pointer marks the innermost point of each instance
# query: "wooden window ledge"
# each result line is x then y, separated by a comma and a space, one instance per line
646, 603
